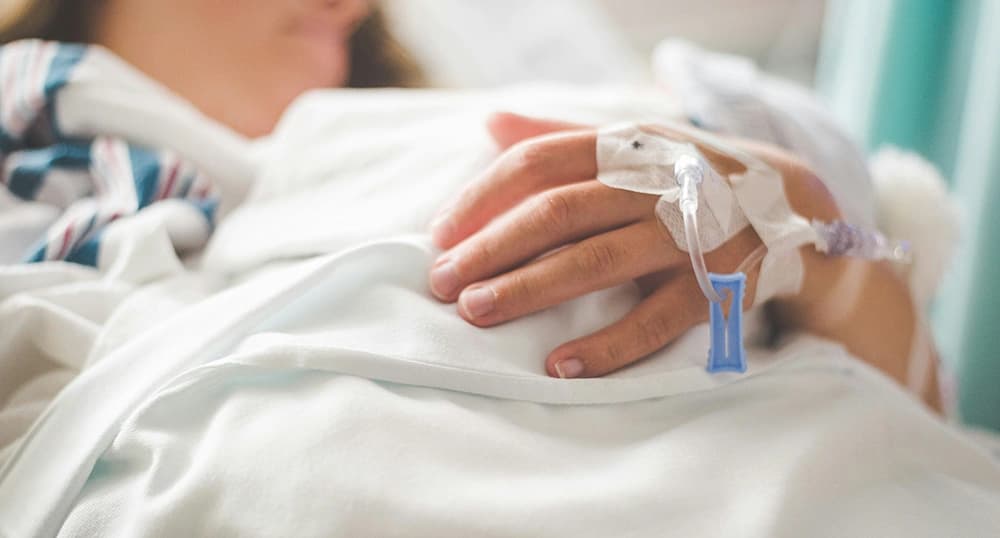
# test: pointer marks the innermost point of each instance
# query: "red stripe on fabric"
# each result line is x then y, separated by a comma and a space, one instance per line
171, 178
65, 245
114, 166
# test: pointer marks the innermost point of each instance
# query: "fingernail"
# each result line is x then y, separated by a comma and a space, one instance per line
444, 280
441, 229
568, 368
479, 302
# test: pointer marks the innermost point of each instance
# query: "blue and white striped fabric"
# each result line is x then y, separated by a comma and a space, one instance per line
93, 181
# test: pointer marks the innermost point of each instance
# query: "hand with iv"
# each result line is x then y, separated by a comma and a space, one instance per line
550, 190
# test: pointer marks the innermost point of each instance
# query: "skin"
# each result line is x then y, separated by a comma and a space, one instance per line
541, 195
241, 62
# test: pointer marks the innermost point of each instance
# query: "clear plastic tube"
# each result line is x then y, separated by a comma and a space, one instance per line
753, 259
689, 172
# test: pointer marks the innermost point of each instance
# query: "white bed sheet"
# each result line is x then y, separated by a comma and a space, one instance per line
334, 396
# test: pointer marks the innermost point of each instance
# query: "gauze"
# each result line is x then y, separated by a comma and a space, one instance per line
640, 159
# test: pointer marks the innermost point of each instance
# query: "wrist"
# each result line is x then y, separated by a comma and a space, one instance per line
831, 291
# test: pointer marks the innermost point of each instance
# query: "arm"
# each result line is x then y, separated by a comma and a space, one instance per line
881, 301
865, 305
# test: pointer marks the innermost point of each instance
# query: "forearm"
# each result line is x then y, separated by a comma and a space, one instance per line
867, 307
863, 304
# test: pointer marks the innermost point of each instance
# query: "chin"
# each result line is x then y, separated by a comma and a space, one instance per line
326, 66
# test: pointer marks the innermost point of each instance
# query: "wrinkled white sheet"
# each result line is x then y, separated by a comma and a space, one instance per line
261, 395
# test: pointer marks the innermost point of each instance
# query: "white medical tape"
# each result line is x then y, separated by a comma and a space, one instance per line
640, 158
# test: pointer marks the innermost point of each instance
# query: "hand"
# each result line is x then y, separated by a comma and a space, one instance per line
541, 195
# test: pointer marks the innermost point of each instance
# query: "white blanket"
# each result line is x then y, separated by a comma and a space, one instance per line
265, 396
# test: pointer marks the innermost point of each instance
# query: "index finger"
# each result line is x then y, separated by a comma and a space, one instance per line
526, 168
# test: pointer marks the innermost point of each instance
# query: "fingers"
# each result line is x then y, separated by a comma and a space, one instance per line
508, 129
599, 262
676, 305
655, 322
527, 168
544, 222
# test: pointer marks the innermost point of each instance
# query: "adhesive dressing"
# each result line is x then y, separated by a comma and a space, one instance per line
642, 159
636, 158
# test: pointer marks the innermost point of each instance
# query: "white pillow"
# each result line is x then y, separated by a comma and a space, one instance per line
485, 43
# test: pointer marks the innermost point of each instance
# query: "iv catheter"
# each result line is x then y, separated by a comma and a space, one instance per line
689, 173
701, 210
726, 351
837, 238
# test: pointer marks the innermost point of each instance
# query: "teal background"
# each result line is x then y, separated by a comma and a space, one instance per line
925, 75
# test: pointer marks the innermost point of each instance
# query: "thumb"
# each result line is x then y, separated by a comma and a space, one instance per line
508, 128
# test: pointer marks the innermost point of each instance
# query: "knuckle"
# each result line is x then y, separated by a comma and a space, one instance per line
615, 356
801, 174
554, 210
476, 259
599, 257
806, 191
510, 291
531, 158
653, 333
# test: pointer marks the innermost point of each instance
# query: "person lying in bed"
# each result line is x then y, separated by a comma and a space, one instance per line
243, 63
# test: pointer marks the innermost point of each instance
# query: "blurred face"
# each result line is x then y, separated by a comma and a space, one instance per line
239, 61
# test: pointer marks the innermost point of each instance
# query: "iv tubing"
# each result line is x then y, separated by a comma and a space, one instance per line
689, 171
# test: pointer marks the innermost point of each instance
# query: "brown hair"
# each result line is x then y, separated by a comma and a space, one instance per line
377, 59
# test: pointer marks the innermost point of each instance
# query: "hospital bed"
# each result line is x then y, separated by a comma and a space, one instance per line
299, 379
